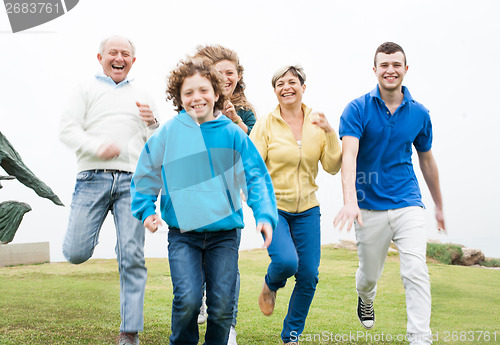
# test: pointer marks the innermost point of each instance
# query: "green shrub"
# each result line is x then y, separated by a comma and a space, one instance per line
449, 254
491, 263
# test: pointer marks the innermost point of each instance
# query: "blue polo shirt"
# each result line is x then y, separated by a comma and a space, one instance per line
385, 178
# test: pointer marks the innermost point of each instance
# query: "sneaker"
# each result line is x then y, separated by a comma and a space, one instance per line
292, 343
267, 299
366, 314
202, 316
128, 338
232, 337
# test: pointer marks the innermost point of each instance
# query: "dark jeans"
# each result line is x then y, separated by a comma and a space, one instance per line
196, 257
237, 290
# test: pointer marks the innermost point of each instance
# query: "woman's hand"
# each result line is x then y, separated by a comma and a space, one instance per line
319, 119
230, 112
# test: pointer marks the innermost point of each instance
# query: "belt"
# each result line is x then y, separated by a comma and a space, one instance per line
112, 171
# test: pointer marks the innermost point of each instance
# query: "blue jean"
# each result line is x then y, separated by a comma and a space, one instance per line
237, 287
295, 250
95, 194
195, 257
237, 290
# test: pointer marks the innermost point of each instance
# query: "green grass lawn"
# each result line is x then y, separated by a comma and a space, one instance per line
60, 303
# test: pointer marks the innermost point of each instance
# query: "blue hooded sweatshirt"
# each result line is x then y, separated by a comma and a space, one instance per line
200, 170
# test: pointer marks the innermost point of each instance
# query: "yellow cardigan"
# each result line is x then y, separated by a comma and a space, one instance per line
293, 169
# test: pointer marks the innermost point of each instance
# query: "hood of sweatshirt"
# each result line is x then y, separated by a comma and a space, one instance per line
217, 123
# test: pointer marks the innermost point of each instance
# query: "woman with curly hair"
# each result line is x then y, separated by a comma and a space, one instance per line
237, 108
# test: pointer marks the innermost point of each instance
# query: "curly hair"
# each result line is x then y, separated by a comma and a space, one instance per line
388, 48
188, 68
217, 53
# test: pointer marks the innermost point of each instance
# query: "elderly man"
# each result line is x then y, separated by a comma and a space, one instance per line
107, 123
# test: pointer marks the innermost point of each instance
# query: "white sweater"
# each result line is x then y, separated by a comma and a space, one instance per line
100, 112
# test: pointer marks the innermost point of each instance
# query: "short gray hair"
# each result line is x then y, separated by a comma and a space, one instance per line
104, 41
296, 70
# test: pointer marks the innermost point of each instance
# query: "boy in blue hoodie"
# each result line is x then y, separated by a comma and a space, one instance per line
199, 161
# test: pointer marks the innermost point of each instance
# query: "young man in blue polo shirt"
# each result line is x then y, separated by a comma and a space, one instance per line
381, 192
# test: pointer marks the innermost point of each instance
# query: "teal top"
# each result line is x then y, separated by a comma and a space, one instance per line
248, 118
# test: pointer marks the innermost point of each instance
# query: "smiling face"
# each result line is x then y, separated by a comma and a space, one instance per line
288, 90
198, 98
390, 70
116, 58
230, 74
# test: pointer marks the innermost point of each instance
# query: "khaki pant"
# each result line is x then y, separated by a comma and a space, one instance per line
406, 228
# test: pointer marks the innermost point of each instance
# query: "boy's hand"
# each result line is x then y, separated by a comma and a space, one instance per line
152, 222
267, 231
440, 220
347, 215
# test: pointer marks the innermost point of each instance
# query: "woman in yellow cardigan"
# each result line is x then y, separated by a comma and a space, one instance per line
292, 140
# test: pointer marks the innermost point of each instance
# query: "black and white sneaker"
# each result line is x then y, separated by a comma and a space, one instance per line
366, 314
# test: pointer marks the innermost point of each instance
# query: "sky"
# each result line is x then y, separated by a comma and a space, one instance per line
452, 51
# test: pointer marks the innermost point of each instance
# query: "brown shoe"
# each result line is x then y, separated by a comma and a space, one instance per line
128, 339
267, 299
292, 343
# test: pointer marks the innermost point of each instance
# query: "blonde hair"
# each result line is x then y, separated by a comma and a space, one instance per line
188, 68
217, 53
296, 70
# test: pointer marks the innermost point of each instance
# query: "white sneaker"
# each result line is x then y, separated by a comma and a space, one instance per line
232, 337
202, 316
